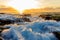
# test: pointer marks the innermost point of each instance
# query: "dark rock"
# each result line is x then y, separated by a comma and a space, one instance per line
7, 21
26, 20
57, 34
1, 38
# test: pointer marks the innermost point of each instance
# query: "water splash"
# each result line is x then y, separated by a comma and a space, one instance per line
34, 31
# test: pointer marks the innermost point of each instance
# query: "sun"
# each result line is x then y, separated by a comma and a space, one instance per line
21, 5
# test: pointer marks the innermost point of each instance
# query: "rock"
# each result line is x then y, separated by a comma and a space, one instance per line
7, 21
57, 34
26, 20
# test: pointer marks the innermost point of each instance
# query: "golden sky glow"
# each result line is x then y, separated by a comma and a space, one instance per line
53, 3
20, 4
23, 4
8, 10
29, 4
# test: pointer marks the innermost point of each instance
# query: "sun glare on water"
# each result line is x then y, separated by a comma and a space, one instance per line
21, 5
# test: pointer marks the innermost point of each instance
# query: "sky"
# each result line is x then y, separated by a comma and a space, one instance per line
41, 2
29, 4
54, 3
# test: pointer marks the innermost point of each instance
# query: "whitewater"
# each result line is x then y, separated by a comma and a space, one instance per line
38, 29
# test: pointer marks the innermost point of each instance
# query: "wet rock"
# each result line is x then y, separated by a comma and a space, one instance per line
7, 21
1, 38
26, 20
57, 34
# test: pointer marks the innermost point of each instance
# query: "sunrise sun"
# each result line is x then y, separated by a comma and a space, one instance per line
21, 5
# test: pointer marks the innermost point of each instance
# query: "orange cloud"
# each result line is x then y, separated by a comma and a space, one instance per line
8, 10
47, 9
